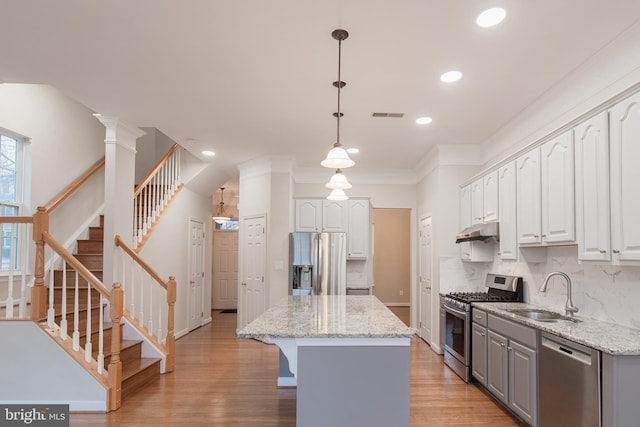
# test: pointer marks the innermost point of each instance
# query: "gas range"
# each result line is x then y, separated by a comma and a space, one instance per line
499, 289
457, 307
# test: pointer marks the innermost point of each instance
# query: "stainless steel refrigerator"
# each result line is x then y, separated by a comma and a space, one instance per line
317, 263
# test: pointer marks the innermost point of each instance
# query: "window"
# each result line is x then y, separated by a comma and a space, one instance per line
10, 199
232, 224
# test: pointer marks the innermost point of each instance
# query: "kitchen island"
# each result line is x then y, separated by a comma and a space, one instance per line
348, 356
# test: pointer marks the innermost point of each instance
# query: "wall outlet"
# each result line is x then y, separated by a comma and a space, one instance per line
401, 292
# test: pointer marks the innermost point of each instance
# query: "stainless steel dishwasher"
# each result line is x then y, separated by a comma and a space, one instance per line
568, 383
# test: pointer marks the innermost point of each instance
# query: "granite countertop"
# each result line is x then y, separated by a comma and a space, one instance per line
604, 336
327, 316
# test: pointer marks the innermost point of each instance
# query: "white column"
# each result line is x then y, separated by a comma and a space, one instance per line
119, 176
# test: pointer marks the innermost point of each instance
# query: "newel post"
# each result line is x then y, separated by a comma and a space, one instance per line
39, 291
115, 365
171, 338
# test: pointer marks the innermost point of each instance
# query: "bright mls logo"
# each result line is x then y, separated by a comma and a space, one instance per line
34, 415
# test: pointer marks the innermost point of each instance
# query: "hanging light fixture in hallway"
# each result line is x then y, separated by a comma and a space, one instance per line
338, 157
221, 217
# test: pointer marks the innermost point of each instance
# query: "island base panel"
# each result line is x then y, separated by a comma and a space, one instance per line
353, 386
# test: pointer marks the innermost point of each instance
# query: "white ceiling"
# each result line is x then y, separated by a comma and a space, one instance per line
249, 78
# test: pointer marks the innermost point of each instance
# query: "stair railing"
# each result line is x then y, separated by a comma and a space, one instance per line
15, 236
154, 193
144, 291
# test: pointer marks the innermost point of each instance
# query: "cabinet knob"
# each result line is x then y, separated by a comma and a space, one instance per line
482, 334
536, 236
616, 251
544, 235
602, 251
509, 348
502, 345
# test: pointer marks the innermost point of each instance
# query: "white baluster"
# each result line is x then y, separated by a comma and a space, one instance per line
159, 333
150, 325
51, 312
132, 289
101, 339
87, 345
63, 310
141, 303
12, 256
76, 318
23, 290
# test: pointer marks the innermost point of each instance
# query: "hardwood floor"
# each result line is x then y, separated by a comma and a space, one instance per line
221, 380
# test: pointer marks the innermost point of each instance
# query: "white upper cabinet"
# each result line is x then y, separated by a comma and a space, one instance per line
308, 215
558, 198
625, 179
477, 202
465, 207
472, 251
545, 196
529, 201
335, 215
592, 189
359, 226
490, 197
507, 209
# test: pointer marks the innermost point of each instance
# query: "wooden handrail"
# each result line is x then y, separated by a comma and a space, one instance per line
153, 171
73, 187
140, 261
77, 265
16, 219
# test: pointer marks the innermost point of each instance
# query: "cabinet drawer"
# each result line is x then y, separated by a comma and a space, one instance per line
479, 317
515, 331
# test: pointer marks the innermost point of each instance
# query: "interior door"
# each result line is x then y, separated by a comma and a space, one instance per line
196, 272
253, 269
425, 279
225, 269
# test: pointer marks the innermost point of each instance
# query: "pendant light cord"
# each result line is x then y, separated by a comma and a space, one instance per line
337, 144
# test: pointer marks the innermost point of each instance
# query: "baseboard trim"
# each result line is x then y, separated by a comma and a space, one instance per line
397, 304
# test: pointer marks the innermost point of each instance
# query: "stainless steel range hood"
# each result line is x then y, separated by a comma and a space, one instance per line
480, 232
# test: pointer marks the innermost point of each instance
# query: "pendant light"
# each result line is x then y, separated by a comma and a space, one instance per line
221, 218
337, 194
338, 181
338, 157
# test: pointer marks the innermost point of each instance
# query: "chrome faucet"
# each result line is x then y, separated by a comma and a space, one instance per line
569, 308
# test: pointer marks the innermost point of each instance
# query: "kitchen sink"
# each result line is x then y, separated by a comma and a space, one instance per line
543, 315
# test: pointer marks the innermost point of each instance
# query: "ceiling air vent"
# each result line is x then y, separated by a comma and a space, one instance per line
390, 115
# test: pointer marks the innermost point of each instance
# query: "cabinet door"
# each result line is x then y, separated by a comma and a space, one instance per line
465, 220
625, 177
557, 179
497, 365
490, 197
522, 382
308, 215
593, 224
479, 353
529, 197
359, 225
507, 208
335, 215
477, 202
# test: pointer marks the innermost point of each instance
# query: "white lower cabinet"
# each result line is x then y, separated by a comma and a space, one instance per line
511, 364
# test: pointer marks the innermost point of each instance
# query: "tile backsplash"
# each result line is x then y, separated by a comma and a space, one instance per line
604, 292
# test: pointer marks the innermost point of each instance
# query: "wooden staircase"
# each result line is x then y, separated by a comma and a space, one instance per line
137, 371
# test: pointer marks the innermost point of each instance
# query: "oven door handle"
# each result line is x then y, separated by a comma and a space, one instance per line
455, 312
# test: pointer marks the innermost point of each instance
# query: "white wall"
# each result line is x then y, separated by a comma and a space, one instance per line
167, 251
41, 372
66, 140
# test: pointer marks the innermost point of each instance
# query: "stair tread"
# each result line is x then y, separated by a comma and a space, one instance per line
131, 368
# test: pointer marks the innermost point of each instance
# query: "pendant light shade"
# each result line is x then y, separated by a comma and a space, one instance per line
338, 181
338, 157
221, 217
337, 194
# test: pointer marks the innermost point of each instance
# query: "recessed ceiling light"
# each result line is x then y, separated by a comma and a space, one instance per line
353, 150
491, 17
424, 120
208, 153
451, 76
